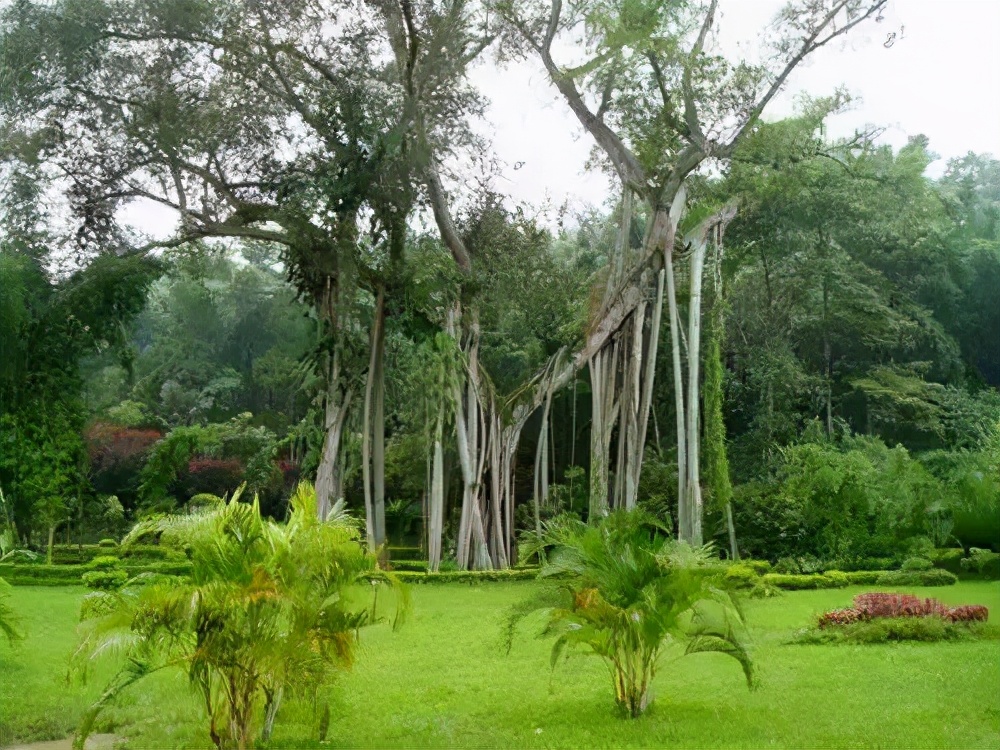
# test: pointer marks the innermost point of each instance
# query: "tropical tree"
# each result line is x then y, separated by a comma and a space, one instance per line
270, 610
633, 593
659, 99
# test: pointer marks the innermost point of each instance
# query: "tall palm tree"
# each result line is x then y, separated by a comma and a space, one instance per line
270, 609
630, 593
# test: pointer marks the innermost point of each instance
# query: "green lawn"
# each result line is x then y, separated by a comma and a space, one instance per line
441, 681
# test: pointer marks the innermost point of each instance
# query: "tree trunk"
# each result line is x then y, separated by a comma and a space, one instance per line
684, 531
436, 499
328, 474
373, 438
51, 543
694, 387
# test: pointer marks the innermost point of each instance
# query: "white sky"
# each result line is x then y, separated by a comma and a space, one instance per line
940, 78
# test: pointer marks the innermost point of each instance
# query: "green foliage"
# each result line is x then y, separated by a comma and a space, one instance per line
792, 582
891, 629
949, 559
759, 566
105, 579
863, 577
254, 447
70, 575
933, 577
741, 576
269, 609
917, 563
108, 543
468, 576
105, 562
714, 454
836, 579
631, 591
983, 562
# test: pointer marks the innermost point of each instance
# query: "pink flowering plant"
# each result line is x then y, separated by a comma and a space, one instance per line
877, 605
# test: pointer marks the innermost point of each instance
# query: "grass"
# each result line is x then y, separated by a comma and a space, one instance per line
442, 681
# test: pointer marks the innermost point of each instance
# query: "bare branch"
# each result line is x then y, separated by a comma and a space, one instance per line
811, 43
621, 156
687, 87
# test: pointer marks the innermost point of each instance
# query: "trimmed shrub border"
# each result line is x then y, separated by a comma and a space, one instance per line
71, 575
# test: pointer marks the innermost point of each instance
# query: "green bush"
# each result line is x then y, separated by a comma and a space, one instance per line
18, 574
105, 562
852, 564
920, 546
741, 576
107, 543
949, 559
983, 562
917, 563
104, 580
760, 566
835, 579
863, 577
764, 590
794, 582
69, 575
787, 566
414, 566
75, 554
886, 629
151, 553
933, 577
469, 576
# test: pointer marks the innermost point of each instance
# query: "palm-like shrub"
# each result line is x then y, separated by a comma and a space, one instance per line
630, 594
270, 610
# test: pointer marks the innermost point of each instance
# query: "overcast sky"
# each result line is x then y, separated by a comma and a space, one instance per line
940, 78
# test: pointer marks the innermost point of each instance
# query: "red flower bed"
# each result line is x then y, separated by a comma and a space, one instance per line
839, 617
875, 605
968, 613
897, 605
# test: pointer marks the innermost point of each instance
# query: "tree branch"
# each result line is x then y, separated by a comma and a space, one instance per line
687, 87
809, 45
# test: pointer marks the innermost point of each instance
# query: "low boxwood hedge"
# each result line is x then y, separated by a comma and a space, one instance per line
73, 554
468, 576
72, 575
933, 577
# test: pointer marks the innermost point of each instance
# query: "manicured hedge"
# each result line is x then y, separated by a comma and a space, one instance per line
793, 582
469, 576
412, 566
933, 577
71, 575
72, 554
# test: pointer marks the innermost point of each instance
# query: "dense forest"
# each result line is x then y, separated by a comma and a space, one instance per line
785, 343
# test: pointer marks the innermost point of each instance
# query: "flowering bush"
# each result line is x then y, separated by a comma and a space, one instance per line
968, 613
876, 605
839, 617
897, 605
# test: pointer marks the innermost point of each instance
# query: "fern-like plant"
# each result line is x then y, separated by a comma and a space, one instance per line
270, 610
631, 593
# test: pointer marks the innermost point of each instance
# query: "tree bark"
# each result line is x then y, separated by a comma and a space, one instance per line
694, 385
373, 439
